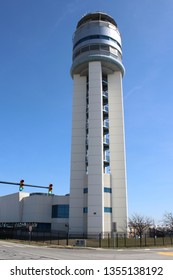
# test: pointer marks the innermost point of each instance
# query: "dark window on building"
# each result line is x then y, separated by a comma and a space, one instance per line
104, 47
43, 227
85, 49
76, 54
85, 190
85, 210
94, 47
96, 37
60, 211
107, 190
107, 209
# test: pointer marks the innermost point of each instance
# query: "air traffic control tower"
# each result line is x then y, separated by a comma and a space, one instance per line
98, 197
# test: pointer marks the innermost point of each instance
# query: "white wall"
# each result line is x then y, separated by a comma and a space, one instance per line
78, 155
95, 152
117, 151
11, 207
37, 208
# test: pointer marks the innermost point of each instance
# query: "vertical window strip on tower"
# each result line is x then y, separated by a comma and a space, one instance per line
87, 125
105, 124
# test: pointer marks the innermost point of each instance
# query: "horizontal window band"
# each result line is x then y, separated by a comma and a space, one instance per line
91, 37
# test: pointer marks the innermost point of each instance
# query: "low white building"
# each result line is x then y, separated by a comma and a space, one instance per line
47, 212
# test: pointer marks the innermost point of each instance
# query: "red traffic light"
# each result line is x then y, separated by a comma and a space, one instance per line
50, 189
21, 187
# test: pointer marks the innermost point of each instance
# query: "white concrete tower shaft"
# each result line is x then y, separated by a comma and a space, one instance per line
98, 195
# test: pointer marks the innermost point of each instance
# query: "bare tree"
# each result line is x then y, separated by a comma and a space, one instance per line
168, 221
139, 224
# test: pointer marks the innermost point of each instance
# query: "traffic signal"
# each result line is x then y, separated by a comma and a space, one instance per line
21, 187
50, 189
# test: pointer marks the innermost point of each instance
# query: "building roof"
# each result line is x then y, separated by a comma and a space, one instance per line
96, 16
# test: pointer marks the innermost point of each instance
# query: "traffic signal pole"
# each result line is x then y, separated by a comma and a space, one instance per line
26, 185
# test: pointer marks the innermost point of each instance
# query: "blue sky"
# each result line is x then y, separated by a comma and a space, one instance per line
36, 95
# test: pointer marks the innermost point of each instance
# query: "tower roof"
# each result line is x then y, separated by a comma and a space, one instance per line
96, 16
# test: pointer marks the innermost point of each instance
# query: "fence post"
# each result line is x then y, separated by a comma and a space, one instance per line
50, 237
154, 240
145, 240
113, 235
163, 240
58, 238
140, 240
29, 236
108, 241
125, 240
67, 237
44, 237
100, 240
117, 239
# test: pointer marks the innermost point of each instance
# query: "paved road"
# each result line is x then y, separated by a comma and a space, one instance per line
13, 251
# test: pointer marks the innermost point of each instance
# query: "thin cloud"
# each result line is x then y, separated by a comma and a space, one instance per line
151, 77
132, 91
